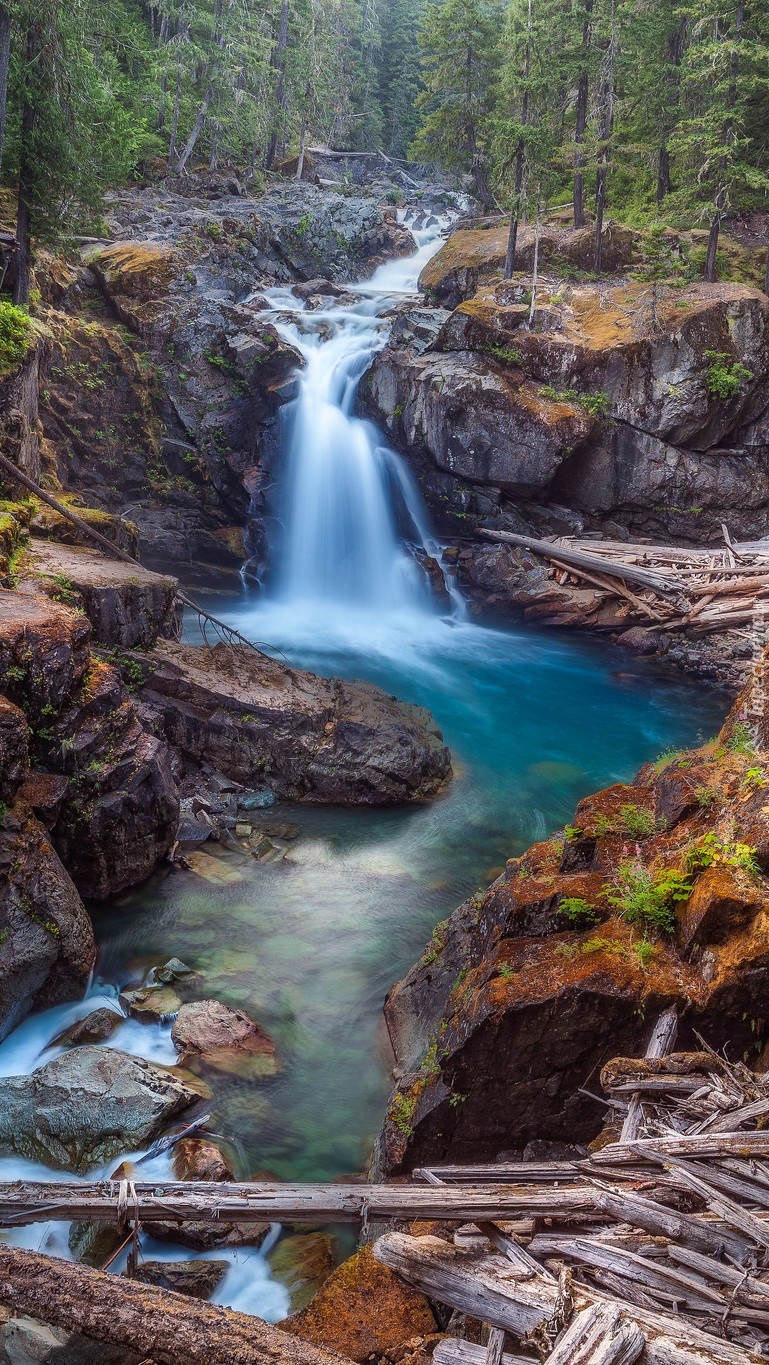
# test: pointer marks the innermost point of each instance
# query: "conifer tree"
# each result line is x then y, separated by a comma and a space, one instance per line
460, 42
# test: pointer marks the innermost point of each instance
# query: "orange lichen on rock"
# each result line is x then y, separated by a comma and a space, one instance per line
363, 1309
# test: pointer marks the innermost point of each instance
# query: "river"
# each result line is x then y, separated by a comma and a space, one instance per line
310, 944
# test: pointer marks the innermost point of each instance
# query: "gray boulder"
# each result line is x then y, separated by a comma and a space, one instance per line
87, 1106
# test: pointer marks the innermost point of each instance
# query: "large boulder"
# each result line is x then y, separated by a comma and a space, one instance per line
477, 418
47, 948
87, 1106
363, 1309
121, 811
601, 340
128, 606
305, 737
565, 961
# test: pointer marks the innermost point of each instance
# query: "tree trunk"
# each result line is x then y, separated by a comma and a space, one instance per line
5, 53
581, 124
603, 167
279, 66
720, 196
197, 129
483, 189
302, 141
175, 122
512, 239
715, 228
26, 179
172, 1329
663, 174
535, 272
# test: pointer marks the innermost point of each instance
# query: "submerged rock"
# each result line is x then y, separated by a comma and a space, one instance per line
312, 738
87, 1106
210, 1034
303, 1262
150, 1004
198, 1159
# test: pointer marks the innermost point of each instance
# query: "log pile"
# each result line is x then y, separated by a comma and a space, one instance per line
669, 587
667, 1261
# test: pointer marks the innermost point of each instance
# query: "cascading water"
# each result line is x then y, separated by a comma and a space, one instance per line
345, 494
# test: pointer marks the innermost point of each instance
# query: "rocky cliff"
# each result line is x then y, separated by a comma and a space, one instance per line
656, 893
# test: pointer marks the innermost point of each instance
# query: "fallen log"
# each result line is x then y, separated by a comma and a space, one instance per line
655, 1149
24, 1202
702, 1235
630, 573
662, 1041
451, 1351
172, 1329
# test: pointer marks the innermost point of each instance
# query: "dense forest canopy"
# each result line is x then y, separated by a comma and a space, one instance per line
646, 109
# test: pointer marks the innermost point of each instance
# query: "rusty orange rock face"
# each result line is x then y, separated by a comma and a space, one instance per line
363, 1309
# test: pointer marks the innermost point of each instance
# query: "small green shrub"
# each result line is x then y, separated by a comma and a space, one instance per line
506, 354
638, 822
3, 813
591, 945
597, 404
646, 901
579, 913
14, 335
402, 1113
644, 951
741, 740
714, 852
437, 943
725, 379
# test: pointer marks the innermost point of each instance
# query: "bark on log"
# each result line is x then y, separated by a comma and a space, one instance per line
172, 1329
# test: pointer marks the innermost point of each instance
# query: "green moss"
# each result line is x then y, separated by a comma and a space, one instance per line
14, 336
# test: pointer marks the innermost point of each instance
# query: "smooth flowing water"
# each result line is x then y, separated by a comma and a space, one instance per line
311, 944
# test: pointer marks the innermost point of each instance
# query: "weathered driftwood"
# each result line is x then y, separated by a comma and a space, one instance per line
204, 1201
661, 1042
700, 1234
172, 1329
451, 1351
599, 1335
488, 1288
656, 1149
503, 1172
631, 573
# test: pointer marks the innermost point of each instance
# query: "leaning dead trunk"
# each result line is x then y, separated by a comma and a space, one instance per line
512, 238
172, 1329
581, 122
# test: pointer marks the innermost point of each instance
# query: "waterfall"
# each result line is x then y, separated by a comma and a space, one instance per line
347, 499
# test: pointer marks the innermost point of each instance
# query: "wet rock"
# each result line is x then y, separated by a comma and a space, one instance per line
93, 1243
120, 816
314, 738
210, 1236
44, 653
13, 749
255, 800
173, 970
361, 1312
25, 1341
476, 420
199, 1279
127, 606
84, 1107
211, 1034
150, 1004
44, 793
198, 1159
47, 948
327, 287
97, 1027
303, 1263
